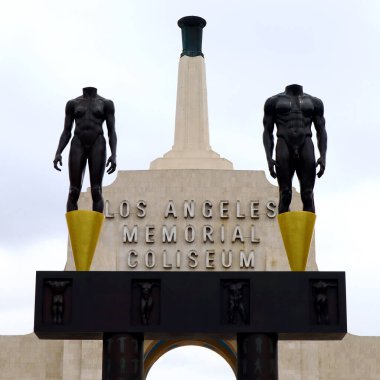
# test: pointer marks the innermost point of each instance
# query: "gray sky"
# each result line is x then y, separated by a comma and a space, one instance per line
129, 50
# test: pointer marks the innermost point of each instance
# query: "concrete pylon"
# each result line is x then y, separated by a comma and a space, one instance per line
191, 149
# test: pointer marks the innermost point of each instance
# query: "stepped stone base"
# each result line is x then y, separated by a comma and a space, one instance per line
180, 160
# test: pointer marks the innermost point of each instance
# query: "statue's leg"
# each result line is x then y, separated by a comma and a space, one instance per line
97, 165
285, 171
77, 166
306, 172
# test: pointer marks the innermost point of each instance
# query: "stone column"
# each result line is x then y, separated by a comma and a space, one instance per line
123, 357
71, 361
257, 357
191, 149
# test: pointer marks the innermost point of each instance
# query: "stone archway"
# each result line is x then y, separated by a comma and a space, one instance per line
155, 349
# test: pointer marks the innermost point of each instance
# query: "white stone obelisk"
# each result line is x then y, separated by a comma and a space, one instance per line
191, 149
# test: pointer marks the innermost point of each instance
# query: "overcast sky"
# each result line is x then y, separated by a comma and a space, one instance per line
129, 50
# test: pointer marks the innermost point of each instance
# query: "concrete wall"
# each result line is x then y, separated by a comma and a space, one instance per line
25, 357
353, 358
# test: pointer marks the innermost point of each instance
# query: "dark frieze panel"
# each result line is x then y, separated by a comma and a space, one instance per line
163, 305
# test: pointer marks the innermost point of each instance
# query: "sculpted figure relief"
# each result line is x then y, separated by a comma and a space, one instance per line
293, 112
89, 111
236, 302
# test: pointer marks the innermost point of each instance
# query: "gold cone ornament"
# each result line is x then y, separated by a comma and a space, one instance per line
297, 229
84, 230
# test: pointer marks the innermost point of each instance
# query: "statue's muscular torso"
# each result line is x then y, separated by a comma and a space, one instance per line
293, 116
293, 112
89, 115
88, 145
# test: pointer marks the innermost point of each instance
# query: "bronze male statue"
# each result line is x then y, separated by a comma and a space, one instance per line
89, 111
293, 112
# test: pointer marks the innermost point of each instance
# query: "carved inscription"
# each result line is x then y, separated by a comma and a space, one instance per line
209, 235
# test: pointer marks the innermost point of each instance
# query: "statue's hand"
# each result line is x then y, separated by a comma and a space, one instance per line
57, 160
272, 164
111, 162
322, 165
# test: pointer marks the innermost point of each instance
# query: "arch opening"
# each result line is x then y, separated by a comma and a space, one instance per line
201, 360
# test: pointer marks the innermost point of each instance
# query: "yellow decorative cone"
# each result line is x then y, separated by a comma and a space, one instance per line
84, 230
297, 229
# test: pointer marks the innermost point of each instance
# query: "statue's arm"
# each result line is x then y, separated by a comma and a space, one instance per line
66, 134
112, 138
319, 124
268, 138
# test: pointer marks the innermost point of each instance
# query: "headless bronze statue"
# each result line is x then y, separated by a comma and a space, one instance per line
293, 113
89, 111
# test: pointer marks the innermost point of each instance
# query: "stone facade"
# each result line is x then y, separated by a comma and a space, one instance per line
353, 358
216, 214
25, 357
28, 358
